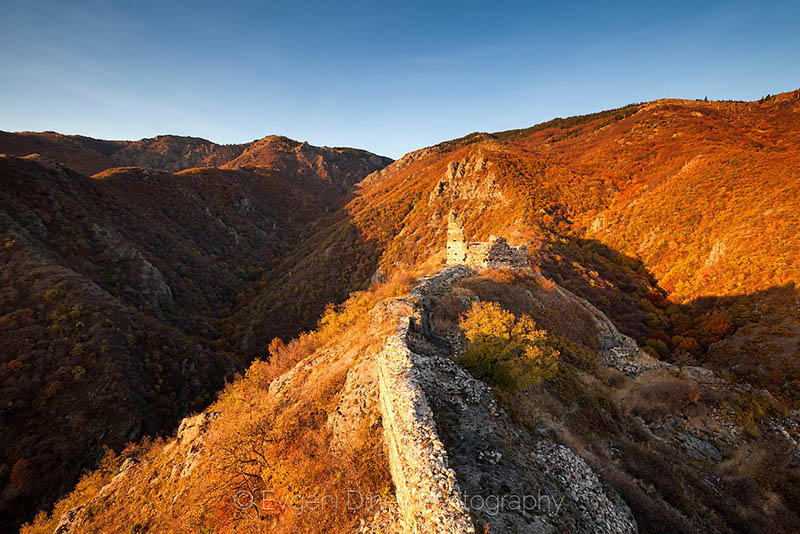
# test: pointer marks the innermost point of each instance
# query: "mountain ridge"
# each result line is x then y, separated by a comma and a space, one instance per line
554, 188
674, 218
163, 152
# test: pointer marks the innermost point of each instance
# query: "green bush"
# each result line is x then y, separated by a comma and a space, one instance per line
506, 350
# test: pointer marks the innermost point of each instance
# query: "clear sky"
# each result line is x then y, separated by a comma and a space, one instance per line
388, 78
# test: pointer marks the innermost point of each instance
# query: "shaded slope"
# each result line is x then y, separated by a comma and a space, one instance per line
82, 367
675, 445
112, 295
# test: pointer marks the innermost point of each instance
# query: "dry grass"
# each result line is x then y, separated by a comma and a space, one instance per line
661, 395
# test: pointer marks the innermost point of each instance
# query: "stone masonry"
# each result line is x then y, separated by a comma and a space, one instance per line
480, 255
428, 494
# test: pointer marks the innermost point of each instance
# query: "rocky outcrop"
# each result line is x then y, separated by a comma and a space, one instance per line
72, 521
472, 178
357, 405
189, 443
148, 287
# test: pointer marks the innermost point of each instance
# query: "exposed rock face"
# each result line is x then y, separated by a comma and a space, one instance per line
699, 449
118, 479
357, 405
150, 286
472, 178
716, 254
72, 521
189, 442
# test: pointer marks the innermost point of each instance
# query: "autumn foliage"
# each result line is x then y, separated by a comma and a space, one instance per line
678, 219
505, 350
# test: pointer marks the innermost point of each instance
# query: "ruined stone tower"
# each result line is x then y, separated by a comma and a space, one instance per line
456, 243
493, 253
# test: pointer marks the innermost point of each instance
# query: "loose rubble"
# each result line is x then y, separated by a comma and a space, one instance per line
585, 490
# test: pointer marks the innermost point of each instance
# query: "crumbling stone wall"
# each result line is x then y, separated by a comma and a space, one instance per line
479, 255
424, 384
428, 494
495, 253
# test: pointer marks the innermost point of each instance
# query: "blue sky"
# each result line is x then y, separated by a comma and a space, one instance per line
388, 78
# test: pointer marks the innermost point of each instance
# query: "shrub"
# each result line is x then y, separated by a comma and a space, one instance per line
54, 294
506, 350
750, 408
657, 348
337, 319
276, 347
79, 349
283, 356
